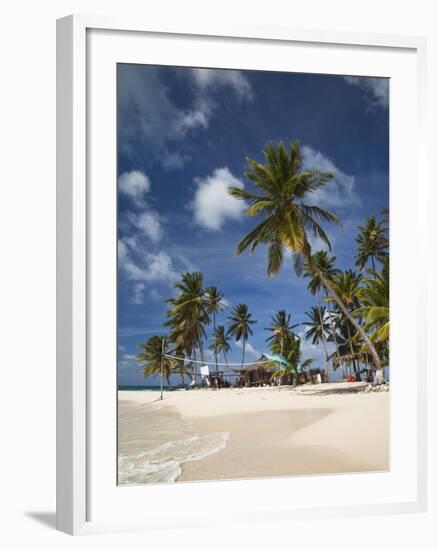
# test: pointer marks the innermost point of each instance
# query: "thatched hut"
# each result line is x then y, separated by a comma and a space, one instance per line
258, 373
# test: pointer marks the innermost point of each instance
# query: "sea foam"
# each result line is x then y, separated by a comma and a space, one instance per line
163, 464
155, 442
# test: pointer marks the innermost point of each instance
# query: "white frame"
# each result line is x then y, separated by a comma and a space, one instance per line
72, 259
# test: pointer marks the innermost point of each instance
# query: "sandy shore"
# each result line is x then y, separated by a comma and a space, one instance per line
273, 432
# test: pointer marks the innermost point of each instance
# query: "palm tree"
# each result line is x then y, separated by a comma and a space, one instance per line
326, 265
280, 327
188, 315
374, 298
318, 329
220, 343
240, 325
215, 304
372, 243
152, 359
282, 189
290, 346
346, 285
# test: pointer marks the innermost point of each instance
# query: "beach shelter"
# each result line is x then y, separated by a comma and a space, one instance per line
281, 363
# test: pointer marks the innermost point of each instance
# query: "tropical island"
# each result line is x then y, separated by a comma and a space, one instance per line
320, 420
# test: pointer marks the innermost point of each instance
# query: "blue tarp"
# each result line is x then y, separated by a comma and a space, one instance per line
277, 358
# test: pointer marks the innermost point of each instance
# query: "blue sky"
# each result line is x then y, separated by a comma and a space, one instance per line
183, 135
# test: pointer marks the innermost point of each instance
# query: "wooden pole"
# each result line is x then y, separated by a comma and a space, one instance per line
161, 369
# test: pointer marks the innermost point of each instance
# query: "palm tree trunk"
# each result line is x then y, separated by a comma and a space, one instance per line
215, 350
194, 367
243, 351
225, 357
350, 342
335, 340
324, 343
340, 303
372, 263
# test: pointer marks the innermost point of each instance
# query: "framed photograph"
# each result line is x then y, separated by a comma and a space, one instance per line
239, 275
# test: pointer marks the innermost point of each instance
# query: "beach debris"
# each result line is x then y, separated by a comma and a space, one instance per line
377, 388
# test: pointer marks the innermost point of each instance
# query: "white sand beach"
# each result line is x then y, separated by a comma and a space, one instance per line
251, 432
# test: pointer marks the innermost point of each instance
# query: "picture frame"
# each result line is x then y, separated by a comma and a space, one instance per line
75, 214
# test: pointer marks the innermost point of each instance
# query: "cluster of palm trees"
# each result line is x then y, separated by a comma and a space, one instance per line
352, 310
359, 321
191, 311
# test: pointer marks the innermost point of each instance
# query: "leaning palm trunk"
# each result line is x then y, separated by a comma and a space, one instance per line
340, 303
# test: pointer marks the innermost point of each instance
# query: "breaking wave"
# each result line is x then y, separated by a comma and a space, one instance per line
154, 443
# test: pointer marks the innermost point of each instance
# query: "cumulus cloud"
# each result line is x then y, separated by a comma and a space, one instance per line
214, 78
376, 89
148, 223
212, 205
138, 293
135, 184
146, 267
339, 192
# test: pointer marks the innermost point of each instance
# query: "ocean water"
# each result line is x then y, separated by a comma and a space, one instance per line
154, 442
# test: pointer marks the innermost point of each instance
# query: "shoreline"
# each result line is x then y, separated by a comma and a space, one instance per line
272, 432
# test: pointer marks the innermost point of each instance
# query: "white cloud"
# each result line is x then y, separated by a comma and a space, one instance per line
339, 192
148, 222
135, 184
147, 267
212, 205
138, 293
249, 349
376, 89
213, 78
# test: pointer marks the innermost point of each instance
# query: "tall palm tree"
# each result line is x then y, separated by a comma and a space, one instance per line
319, 328
280, 327
152, 359
240, 325
326, 265
220, 343
346, 285
374, 298
215, 304
283, 186
372, 243
188, 315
